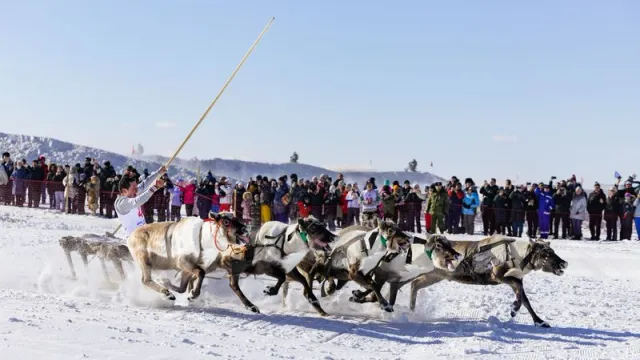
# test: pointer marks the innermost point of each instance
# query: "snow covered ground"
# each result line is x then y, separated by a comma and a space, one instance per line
46, 315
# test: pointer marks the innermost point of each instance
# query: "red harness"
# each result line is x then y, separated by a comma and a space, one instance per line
215, 234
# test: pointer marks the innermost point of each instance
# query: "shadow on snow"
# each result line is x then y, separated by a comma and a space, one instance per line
430, 333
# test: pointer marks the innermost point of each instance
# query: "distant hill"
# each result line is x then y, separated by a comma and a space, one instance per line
243, 170
61, 152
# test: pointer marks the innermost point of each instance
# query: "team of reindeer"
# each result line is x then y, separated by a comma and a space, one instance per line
306, 251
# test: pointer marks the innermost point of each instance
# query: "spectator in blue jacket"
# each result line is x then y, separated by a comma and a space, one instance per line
470, 203
545, 205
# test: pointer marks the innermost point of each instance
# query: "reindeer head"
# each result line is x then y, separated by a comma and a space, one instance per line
440, 250
315, 233
236, 231
394, 236
544, 258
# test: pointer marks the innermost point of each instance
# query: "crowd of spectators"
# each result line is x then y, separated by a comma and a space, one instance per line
549, 210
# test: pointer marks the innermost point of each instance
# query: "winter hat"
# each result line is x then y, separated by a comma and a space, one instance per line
407, 182
387, 182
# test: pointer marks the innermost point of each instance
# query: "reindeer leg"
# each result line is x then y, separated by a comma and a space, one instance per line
233, 284
145, 266
295, 275
278, 273
117, 263
361, 293
104, 269
393, 290
421, 282
518, 288
368, 283
273, 290
285, 293
197, 277
185, 280
341, 284
67, 253
83, 255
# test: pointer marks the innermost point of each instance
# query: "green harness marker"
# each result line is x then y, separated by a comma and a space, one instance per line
383, 241
303, 235
428, 252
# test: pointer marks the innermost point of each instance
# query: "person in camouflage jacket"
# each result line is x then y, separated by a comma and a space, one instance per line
438, 207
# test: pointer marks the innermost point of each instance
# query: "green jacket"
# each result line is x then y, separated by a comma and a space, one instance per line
439, 203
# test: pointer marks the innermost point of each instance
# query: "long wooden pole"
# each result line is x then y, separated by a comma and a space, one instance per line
244, 58
233, 74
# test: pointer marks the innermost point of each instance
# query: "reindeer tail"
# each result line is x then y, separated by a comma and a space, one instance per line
290, 261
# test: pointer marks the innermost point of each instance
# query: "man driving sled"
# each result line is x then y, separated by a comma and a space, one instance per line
128, 205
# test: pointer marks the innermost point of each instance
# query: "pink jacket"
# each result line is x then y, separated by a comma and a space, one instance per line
189, 193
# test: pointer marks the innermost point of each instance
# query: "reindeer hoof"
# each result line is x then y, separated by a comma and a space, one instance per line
271, 291
192, 296
168, 295
387, 308
542, 324
357, 293
355, 299
514, 310
254, 309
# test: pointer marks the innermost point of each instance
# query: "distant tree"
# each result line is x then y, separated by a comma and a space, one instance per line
294, 158
139, 150
413, 165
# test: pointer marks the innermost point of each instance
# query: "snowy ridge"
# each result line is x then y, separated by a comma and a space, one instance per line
60, 152
46, 315
31, 147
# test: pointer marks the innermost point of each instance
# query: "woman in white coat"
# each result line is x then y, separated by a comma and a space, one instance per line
578, 212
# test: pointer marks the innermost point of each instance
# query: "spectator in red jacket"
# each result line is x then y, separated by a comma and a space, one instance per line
188, 194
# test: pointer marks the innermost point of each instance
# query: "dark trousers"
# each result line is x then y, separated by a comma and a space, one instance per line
453, 221
564, 218
353, 216
612, 226
532, 223
189, 209
595, 222
489, 220
175, 213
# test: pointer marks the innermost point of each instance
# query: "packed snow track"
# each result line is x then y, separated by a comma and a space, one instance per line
45, 315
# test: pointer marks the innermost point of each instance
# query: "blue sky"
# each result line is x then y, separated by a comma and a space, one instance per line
523, 90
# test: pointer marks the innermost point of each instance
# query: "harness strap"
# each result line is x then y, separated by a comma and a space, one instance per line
278, 244
495, 244
409, 255
527, 259
372, 239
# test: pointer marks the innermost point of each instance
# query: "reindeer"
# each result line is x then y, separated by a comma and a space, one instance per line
104, 247
191, 246
373, 257
492, 261
308, 238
